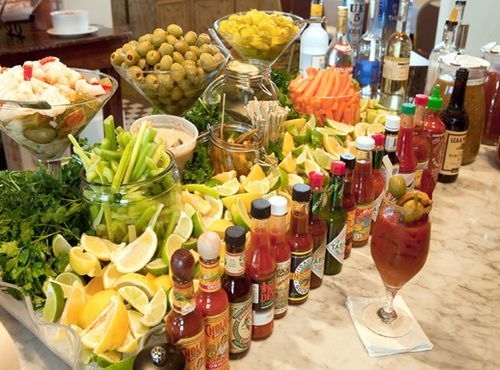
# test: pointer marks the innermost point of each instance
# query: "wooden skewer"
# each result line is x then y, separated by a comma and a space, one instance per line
223, 114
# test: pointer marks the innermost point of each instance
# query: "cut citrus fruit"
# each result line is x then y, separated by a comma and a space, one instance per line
256, 173
294, 179
104, 360
298, 122
344, 127
332, 145
135, 297
220, 226
204, 189
310, 166
200, 204
375, 128
257, 186
172, 243
184, 226
137, 329
101, 248
360, 129
288, 164
301, 159
288, 144
240, 214
156, 309
66, 280
189, 209
323, 158
216, 209
60, 245
137, 254
225, 176
54, 304
247, 199
164, 281
198, 225
84, 263
157, 267
95, 305
74, 304
190, 243
137, 280
129, 345
95, 285
109, 275
230, 187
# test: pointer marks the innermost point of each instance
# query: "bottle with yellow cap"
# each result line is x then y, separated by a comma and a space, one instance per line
314, 40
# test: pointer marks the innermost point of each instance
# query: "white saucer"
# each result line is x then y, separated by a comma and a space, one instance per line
92, 29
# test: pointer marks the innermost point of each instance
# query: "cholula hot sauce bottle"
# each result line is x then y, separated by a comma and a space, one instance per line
212, 301
184, 325
239, 292
261, 269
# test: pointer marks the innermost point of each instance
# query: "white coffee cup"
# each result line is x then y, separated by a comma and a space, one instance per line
70, 21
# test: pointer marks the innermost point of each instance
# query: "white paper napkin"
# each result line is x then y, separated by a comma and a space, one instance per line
376, 345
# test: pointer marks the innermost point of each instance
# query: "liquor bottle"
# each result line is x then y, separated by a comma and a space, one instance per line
436, 131
363, 190
335, 218
396, 67
421, 139
406, 154
390, 162
281, 249
339, 54
462, 29
348, 203
184, 324
379, 178
213, 303
388, 17
314, 40
445, 47
301, 245
456, 121
239, 292
355, 18
317, 229
261, 269
369, 56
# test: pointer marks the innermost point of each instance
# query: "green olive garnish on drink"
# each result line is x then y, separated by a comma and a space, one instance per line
397, 186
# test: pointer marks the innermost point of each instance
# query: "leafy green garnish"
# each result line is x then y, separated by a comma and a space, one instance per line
198, 170
202, 115
282, 80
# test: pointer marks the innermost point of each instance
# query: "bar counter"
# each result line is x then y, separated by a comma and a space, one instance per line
455, 298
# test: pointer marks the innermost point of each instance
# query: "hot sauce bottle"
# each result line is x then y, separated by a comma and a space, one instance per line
184, 324
421, 139
239, 292
301, 245
261, 269
406, 153
379, 179
281, 249
436, 130
390, 162
317, 228
363, 190
348, 203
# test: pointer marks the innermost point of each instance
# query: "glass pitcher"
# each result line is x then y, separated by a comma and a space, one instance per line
491, 133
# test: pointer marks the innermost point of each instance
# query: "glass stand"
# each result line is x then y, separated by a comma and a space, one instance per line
392, 326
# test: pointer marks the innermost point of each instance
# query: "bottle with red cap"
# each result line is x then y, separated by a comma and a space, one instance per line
335, 218
317, 228
421, 139
379, 179
406, 154
436, 130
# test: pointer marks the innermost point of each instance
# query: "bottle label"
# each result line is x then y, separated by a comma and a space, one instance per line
368, 72
362, 222
234, 263
315, 204
300, 275
409, 179
217, 340
209, 277
355, 21
282, 286
263, 294
421, 166
336, 247
193, 349
388, 169
391, 142
240, 325
396, 69
318, 261
183, 302
376, 205
436, 155
317, 61
454, 147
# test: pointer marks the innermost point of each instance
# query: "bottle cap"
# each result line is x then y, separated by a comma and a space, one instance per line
392, 123
261, 209
421, 99
365, 143
315, 179
301, 193
435, 102
338, 168
279, 205
349, 160
209, 245
462, 74
379, 139
408, 108
235, 235
182, 265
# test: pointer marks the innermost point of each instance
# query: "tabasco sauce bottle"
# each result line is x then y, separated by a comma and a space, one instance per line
301, 245
335, 218
239, 291
317, 228
363, 190
379, 179
184, 324
281, 249
348, 203
212, 301
261, 269
406, 153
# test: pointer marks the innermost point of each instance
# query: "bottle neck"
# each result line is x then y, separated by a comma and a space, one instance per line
277, 229
234, 260
391, 141
373, 17
418, 121
316, 10
337, 189
449, 35
378, 154
341, 28
300, 218
402, 16
458, 94
183, 302
407, 120
209, 275
315, 203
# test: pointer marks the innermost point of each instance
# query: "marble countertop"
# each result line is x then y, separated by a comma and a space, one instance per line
455, 298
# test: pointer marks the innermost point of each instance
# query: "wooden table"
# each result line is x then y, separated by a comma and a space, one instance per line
89, 51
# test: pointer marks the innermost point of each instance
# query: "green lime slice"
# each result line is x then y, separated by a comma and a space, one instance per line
60, 245
104, 360
191, 243
230, 187
198, 225
184, 226
240, 215
172, 243
54, 304
125, 364
157, 267
202, 189
323, 158
347, 129
283, 179
301, 159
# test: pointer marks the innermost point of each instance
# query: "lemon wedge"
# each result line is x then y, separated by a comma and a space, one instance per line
134, 256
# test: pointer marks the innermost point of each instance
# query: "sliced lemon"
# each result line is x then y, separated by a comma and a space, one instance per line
135, 297
294, 179
288, 164
129, 345
189, 209
247, 199
157, 267
203, 189
225, 176
256, 173
363, 104
74, 304
310, 166
172, 243
198, 203
340, 126
323, 158
95, 305
110, 275
184, 226
137, 254
95, 285
54, 304
84, 263
301, 159
227, 216
220, 226
288, 144
66, 280
164, 281
216, 210
137, 280
156, 309
332, 145
101, 248
375, 128
297, 122
137, 329
240, 214
257, 186
60, 245
230, 187
360, 129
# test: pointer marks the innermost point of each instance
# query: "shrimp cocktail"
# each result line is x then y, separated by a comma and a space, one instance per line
399, 247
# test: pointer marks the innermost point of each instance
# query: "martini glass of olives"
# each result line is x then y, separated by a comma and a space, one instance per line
169, 67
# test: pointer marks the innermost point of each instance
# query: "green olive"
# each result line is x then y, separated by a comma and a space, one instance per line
132, 56
190, 63
166, 49
178, 58
203, 38
143, 48
146, 37
126, 47
173, 109
159, 31
191, 93
213, 49
158, 39
41, 135
177, 71
163, 92
175, 30
124, 65
196, 50
190, 37
165, 80
153, 57
191, 72
190, 55
171, 39
205, 48
208, 62
166, 62
176, 93
185, 102
133, 43
167, 100
142, 64
185, 85
156, 67
135, 72
181, 46
151, 79
118, 57
219, 58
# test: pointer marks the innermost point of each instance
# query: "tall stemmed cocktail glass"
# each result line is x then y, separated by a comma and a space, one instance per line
399, 248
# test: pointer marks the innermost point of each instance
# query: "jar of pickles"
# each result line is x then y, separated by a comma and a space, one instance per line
474, 96
491, 133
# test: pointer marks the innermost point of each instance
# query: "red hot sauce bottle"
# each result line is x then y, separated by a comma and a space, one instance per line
317, 228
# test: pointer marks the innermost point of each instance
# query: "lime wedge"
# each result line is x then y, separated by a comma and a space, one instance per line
66, 280
201, 189
301, 159
339, 126
228, 188
125, 364
172, 243
54, 304
60, 245
104, 360
184, 226
323, 158
240, 214
190, 243
310, 166
135, 297
288, 164
157, 267
294, 179
198, 225
257, 186
155, 310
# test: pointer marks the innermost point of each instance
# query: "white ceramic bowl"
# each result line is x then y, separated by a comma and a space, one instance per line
70, 22
162, 122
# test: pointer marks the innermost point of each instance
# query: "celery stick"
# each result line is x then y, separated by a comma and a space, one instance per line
135, 153
114, 165
108, 219
152, 222
79, 151
149, 136
120, 172
141, 165
108, 174
151, 164
132, 233
109, 132
124, 138
142, 222
109, 155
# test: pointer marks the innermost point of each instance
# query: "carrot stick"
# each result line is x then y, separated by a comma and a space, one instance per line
325, 83
313, 87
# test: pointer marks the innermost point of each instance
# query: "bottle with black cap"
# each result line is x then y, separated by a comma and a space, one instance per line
261, 269
238, 288
301, 245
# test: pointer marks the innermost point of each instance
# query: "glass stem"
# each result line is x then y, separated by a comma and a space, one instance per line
387, 312
53, 167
